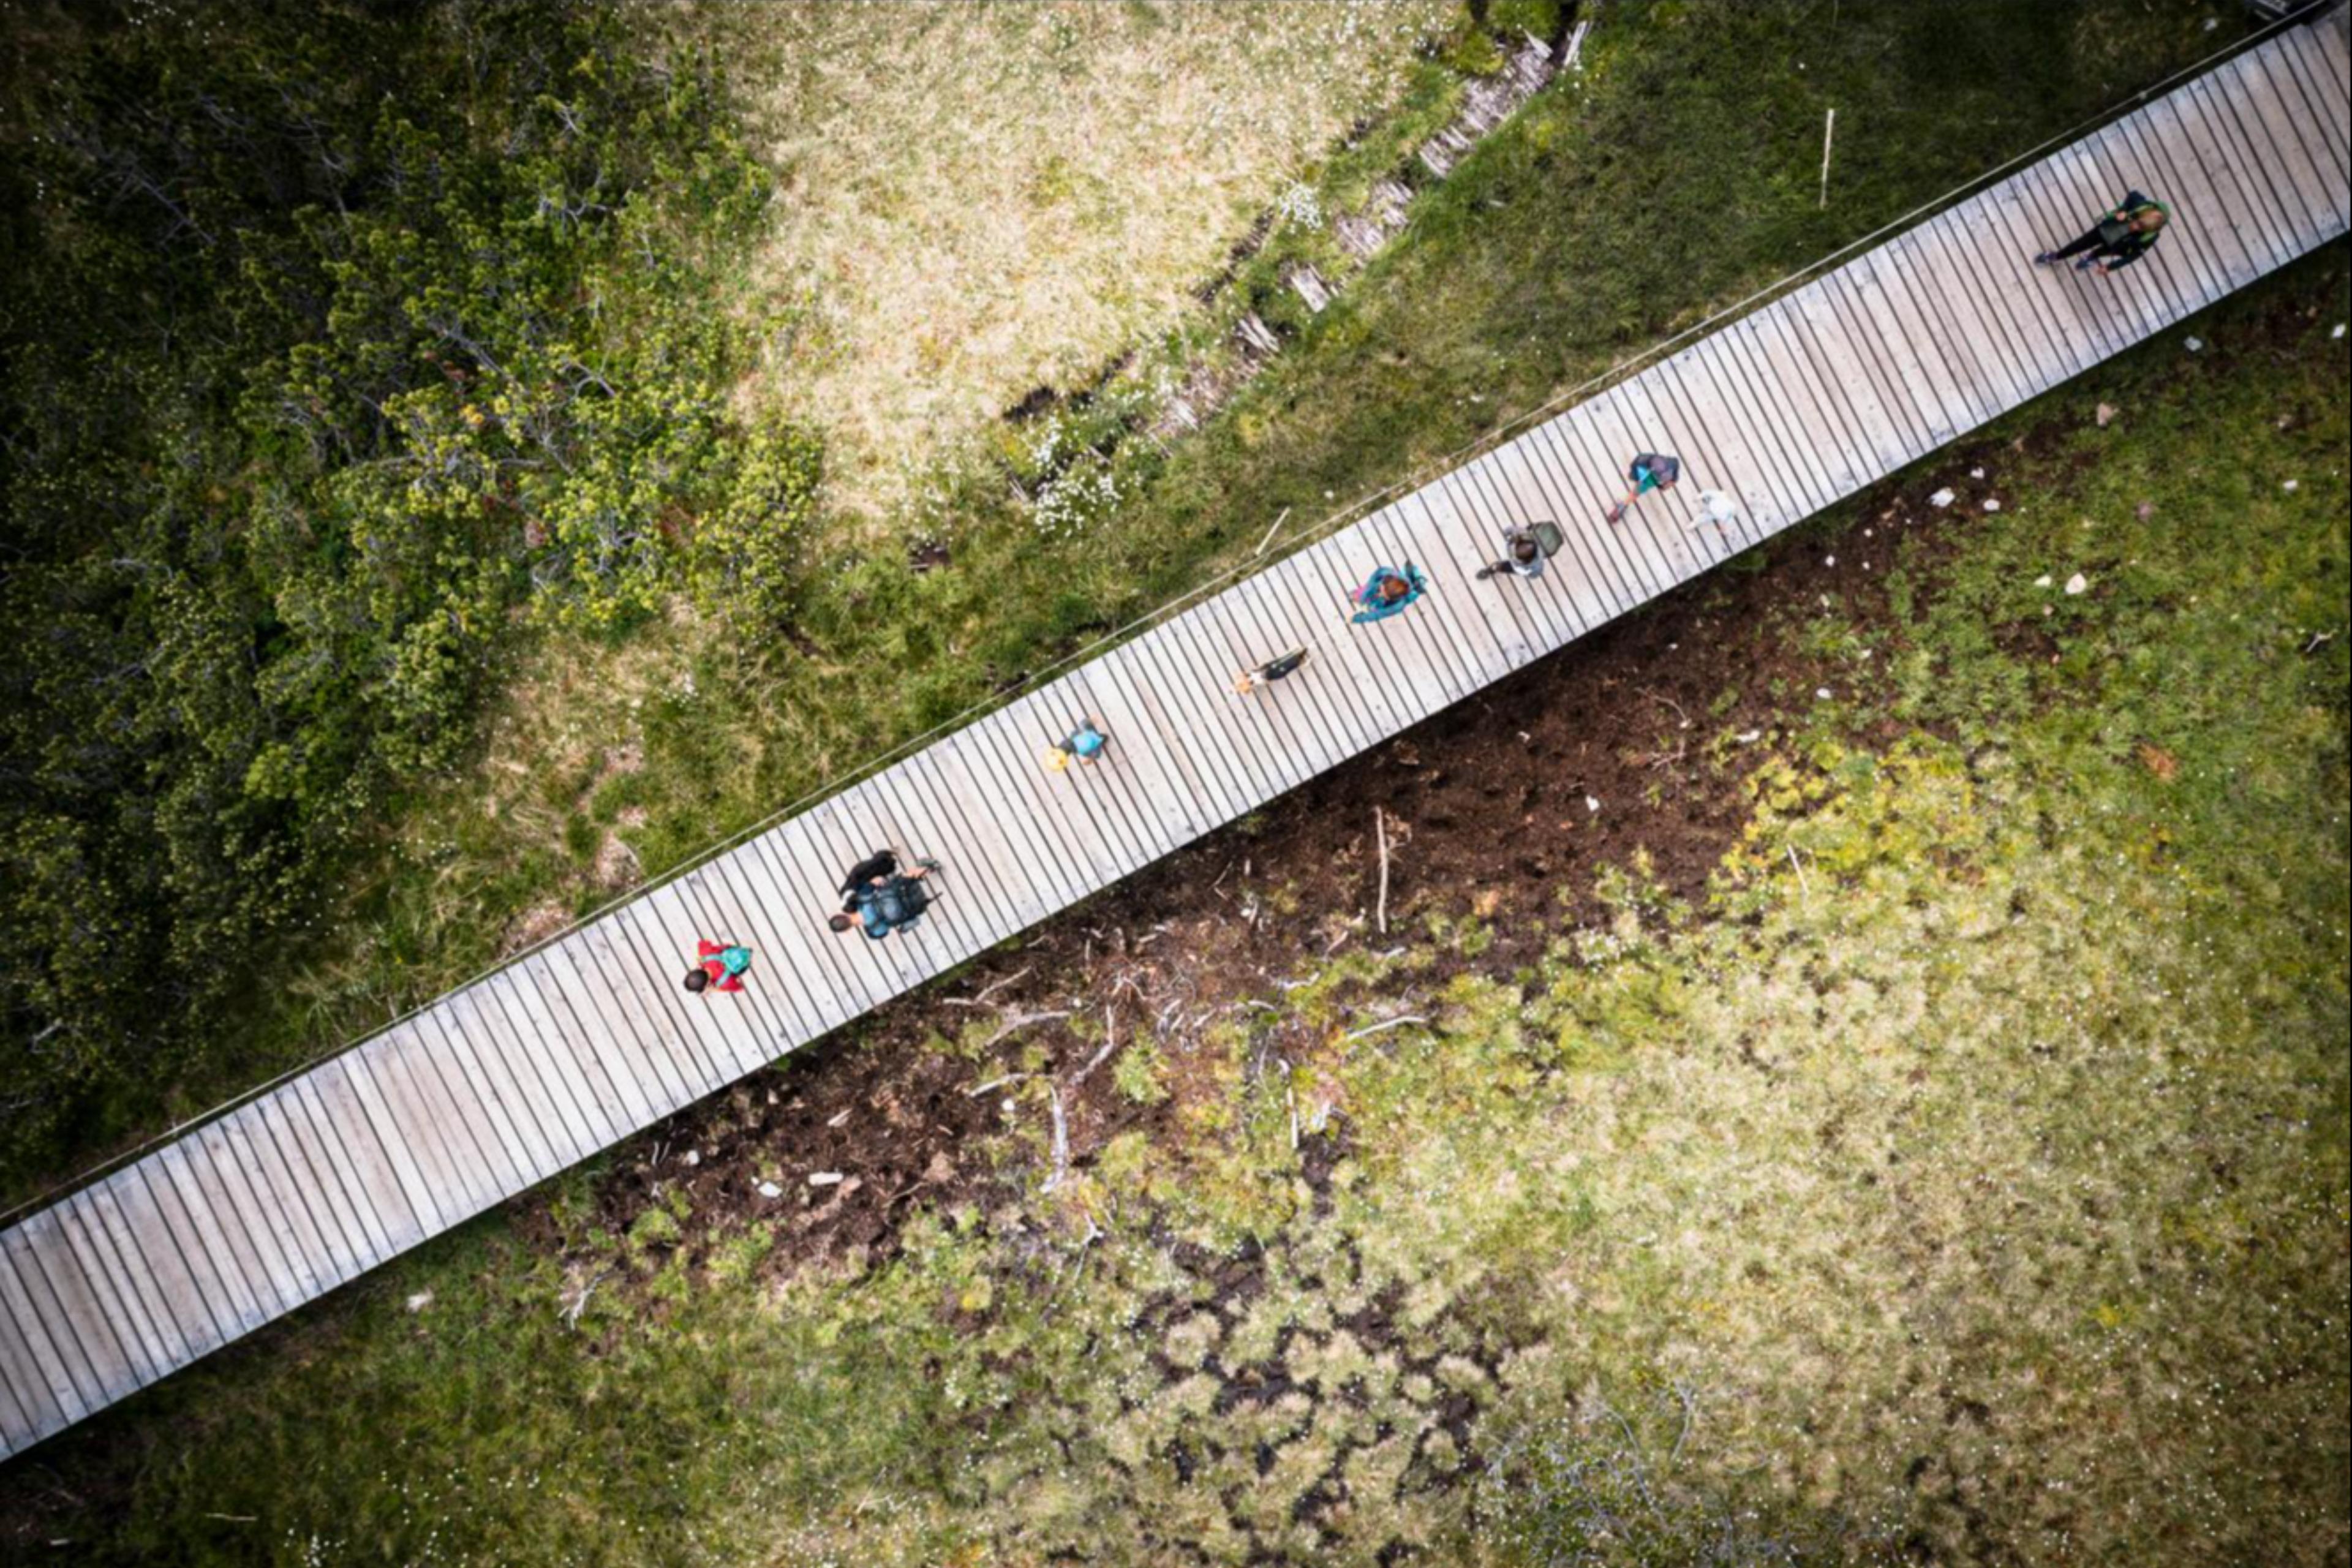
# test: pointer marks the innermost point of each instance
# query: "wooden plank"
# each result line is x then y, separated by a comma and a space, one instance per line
72, 1325
2087, 316
2305, 188
23, 1421
1123, 672
101, 1323
1954, 270
2212, 139
151, 1256
475, 1078
321, 1102
273, 1221
2216, 208
1340, 680
1499, 497
512, 1075
604, 980
1716, 542
1952, 377
2247, 153
2315, 58
1889, 371
742, 884
1686, 382
550, 993
331, 1251
1186, 737
992, 880
1580, 590
179, 1198
350, 1246
425, 1117
2197, 238
574, 1123
143, 1328
1120, 774
216, 1184
41, 1368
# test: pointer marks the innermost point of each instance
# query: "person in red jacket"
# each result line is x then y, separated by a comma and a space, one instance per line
719, 966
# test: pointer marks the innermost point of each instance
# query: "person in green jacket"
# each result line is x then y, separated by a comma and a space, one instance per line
2118, 240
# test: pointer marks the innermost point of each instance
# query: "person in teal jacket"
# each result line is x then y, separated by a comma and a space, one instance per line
1388, 591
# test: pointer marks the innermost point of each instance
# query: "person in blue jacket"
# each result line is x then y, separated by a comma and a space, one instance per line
1387, 591
891, 899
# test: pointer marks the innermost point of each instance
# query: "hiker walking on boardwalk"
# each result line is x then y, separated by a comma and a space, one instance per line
1083, 744
1272, 670
1387, 591
1526, 551
2119, 239
719, 966
1648, 471
880, 898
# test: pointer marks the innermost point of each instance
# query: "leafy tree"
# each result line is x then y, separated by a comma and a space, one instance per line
342, 344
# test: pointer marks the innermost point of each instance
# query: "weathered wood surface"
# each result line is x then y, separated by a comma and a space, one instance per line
1804, 401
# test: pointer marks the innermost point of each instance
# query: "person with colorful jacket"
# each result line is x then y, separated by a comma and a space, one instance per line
719, 966
1388, 591
1648, 471
2119, 239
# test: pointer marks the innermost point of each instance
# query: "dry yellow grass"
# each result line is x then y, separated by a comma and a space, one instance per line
977, 199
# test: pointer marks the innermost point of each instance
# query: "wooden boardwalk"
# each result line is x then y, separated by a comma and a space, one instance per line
578, 1045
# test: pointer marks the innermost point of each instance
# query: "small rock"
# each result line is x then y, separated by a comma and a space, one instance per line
2049, 609
770, 1190
692, 1157
1942, 497
2078, 584
2338, 333
2195, 344
2042, 581
1976, 473
1748, 737
2290, 484
825, 1178
1824, 693
419, 1301
2106, 415
1005, 1106
1590, 804
2211, 23
1991, 505
1829, 561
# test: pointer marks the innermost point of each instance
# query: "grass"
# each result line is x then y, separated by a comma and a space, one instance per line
981, 200
1549, 253
1979, 1194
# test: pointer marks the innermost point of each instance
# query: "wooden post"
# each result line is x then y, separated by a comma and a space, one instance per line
1829, 129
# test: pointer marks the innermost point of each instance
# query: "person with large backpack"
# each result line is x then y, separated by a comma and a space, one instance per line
2119, 239
1526, 551
719, 966
886, 900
